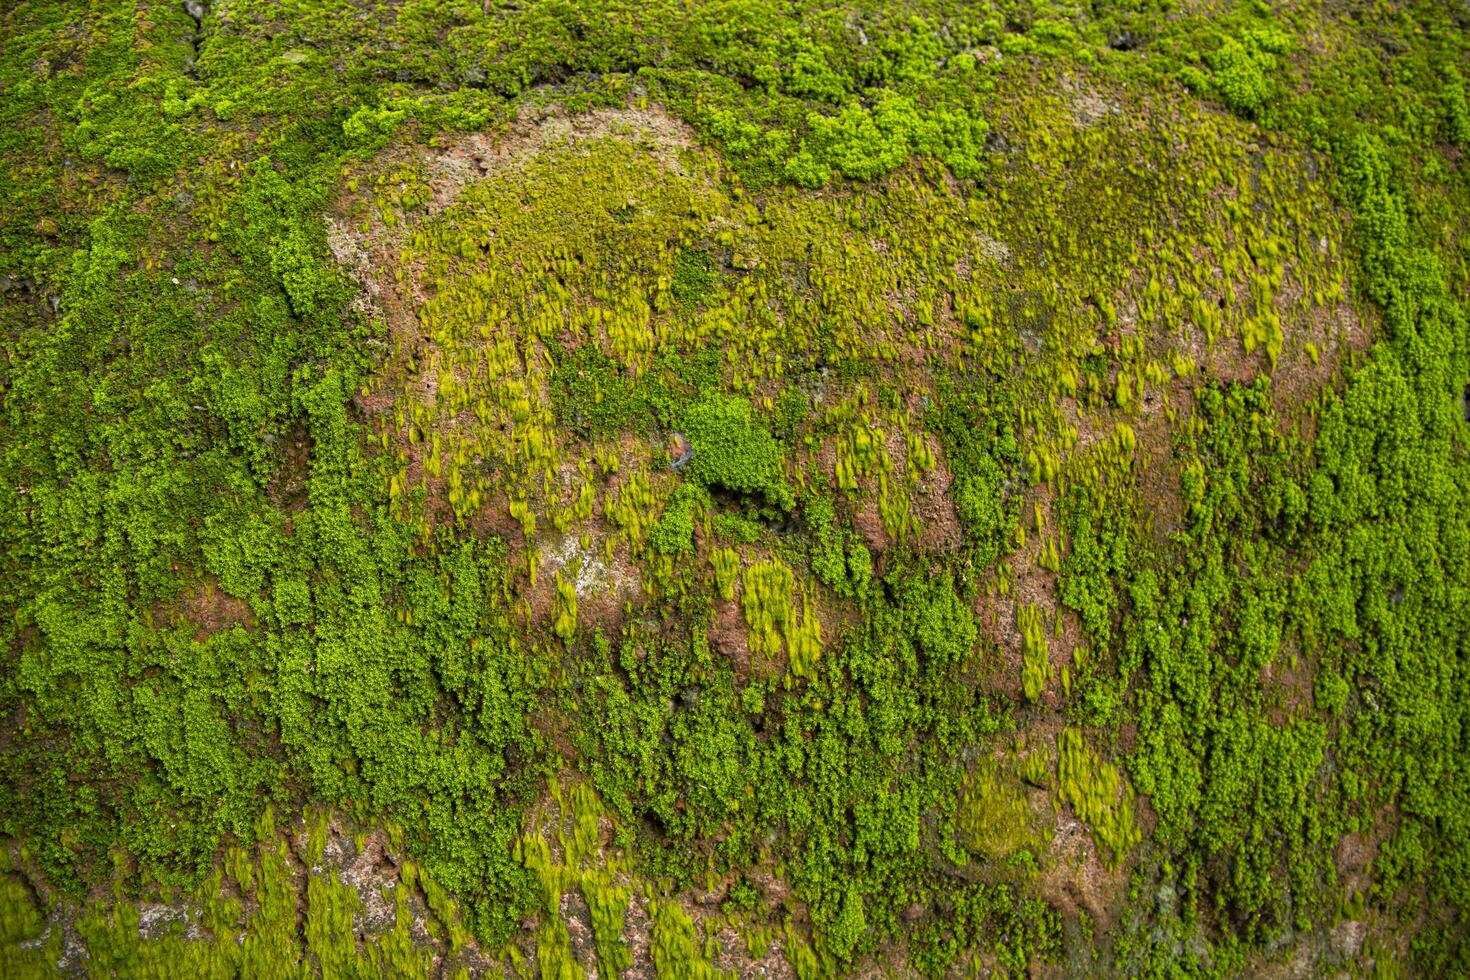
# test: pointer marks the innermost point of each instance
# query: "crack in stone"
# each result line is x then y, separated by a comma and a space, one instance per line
197, 11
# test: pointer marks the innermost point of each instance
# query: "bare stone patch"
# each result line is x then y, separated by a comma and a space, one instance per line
638, 936
993, 249
1087, 105
156, 920
370, 871
590, 575
578, 919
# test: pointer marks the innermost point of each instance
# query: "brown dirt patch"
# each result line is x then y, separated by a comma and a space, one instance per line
868, 523
933, 504
212, 610
1354, 857
287, 487
1288, 686
729, 636
1075, 879
930, 500
1339, 333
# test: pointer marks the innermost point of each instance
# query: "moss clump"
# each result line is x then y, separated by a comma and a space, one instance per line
674, 532
564, 615
733, 450
992, 818
1035, 652
1099, 794
694, 277
726, 563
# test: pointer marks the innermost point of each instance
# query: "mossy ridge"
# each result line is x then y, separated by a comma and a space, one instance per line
283, 908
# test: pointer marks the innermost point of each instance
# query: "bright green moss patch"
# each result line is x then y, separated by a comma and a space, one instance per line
993, 819
734, 451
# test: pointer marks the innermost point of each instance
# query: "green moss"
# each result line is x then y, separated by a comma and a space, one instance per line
992, 818
674, 532
732, 450
980, 287
590, 393
694, 277
1036, 669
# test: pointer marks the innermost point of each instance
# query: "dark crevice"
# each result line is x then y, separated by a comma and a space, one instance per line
197, 10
